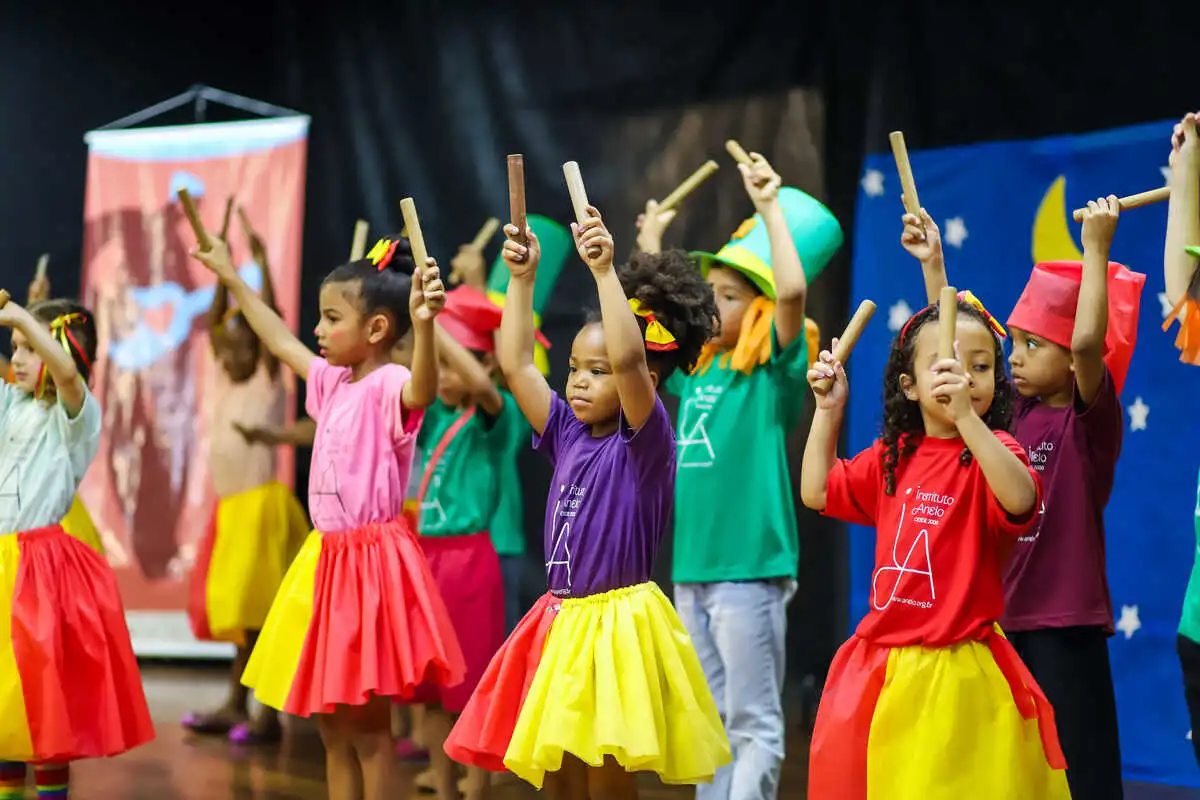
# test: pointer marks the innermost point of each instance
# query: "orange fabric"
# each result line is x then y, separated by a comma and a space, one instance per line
379, 625
78, 672
1028, 696
754, 341
1188, 339
482, 734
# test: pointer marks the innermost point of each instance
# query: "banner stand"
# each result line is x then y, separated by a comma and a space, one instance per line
200, 95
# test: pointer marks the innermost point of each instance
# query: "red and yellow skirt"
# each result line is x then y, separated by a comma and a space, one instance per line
251, 539
69, 682
78, 523
918, 723
609, 674
466, 570
358, 615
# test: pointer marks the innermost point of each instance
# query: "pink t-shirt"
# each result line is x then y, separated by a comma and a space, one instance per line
363, 452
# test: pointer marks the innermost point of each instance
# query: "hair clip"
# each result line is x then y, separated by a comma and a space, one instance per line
60, 330
657, 335
381, 254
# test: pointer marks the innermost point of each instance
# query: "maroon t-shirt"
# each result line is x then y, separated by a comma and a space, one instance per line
1056, 576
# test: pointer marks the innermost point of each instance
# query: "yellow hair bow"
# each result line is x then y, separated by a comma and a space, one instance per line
60, 331
657, 335
381, 254
970, 299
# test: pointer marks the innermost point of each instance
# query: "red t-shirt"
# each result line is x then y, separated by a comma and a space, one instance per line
940, 545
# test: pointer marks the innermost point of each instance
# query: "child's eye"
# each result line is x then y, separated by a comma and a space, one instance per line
571, 368
982, 368
597, 372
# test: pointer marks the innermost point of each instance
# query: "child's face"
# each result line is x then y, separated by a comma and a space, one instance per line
733, 294
1039, 368
27, 365
591, 386
976, 349
345, 334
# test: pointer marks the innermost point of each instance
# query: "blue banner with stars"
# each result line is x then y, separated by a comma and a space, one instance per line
1001, 207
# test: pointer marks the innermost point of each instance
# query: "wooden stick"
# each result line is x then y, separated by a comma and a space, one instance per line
688, 186
909, 186
579, 197
244, 218
849, 338
413, 224
739, 155
225, 220
485, 233
516, 196
947, 321
42, 266
358, 245
189, 208
1135, 200
4, 297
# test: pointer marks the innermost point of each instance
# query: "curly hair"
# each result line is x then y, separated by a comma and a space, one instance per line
385, 290
670, 285
83, 331
902, 422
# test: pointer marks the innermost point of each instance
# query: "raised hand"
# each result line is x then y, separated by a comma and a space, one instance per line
761, 180
952, 387
921, 237
428, 295
594, 242
833, 395
216, 258
1100, 222
521, 260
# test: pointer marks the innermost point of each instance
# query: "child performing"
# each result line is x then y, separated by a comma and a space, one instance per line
358, 619
257, 525
600, 679
69, 683
929, 701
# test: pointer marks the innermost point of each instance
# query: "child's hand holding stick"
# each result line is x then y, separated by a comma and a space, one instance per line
826, 369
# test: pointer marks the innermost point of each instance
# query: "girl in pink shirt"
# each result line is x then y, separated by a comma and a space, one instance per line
358, 620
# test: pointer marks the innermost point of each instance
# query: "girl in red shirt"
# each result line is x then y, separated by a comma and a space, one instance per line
928, 699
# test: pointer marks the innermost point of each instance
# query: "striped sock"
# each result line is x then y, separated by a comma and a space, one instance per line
52, 781
12, 780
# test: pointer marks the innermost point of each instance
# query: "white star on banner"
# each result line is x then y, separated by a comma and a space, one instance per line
898, 314
872, 183
1189, 736
1165, 302
1137, 415
1129, 622
955, 233
1166, 173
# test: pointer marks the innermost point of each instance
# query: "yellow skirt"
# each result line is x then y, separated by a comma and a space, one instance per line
78, 523
251, 540
619, 676
919, 723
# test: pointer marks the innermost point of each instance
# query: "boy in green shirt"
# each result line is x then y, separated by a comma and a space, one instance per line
735, 557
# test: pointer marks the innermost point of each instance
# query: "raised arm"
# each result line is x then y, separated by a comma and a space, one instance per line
622, 334
59, 363
820, 453
791, 287
424, 303
479, 383
1183, 213
1091, 311
270, 328
258, 251
923, 241
526, 382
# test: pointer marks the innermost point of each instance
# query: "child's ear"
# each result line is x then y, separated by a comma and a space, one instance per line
654, 377
377, 328
909, 387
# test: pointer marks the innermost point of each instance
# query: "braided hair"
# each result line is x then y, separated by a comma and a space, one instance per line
383, 287
902, 421
669, 285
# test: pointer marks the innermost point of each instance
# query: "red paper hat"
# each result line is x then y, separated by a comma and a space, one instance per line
1047, 309
472, 319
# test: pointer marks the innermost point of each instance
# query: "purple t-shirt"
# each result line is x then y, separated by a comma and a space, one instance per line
1056, 577
610, 500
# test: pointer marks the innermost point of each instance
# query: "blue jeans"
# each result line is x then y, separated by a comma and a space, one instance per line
739, 630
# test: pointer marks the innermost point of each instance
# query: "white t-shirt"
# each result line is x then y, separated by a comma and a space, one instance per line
43, 457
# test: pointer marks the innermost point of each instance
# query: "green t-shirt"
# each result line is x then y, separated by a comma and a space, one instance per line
1189, 622
510, 435
461, 494
735, 518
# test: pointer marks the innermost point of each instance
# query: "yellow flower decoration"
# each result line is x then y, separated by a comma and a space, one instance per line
657, 335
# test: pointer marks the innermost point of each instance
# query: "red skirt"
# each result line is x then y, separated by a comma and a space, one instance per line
466, 570
358, 615
69, 682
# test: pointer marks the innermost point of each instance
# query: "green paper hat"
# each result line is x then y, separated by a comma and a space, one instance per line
557, 245
814, 230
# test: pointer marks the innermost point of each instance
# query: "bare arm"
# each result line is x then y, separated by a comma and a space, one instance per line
791, 287
59, 364
923, 241
459, 359
270, 328
421, 389
820, 454
1183, 212
1008, 478
626, 351
302, 433
268, 296
526, 382
1091, 311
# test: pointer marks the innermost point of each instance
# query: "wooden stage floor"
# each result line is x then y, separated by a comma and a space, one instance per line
179, 766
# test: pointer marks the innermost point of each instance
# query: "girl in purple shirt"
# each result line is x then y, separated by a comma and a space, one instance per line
600, 680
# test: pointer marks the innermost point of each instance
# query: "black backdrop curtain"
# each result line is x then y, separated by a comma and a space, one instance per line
425, 99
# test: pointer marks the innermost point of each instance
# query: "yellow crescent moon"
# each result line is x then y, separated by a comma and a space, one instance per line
1052, 240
